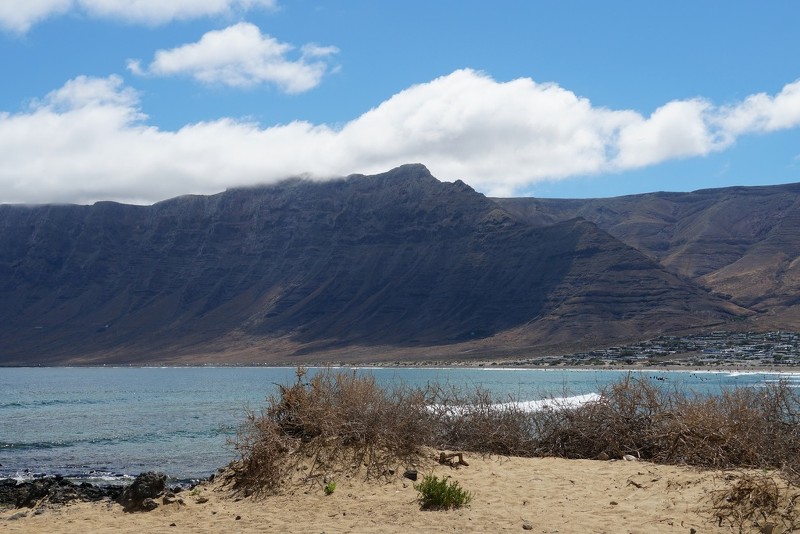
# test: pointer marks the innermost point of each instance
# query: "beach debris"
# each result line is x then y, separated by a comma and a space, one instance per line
411, 474
526, 525
146, 486
630, 458
446, 458
759, 500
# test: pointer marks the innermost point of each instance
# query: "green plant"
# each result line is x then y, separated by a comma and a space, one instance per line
440, 494
330, 487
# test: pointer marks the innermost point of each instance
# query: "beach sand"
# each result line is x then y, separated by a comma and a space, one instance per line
550, 495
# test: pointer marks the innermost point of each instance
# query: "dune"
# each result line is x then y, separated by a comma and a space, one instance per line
543, 495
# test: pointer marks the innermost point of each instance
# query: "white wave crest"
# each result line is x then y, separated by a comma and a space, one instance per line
556, 403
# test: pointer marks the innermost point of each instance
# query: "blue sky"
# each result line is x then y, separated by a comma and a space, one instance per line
142, 100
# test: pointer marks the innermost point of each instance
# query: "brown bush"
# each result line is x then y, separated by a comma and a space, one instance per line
618, 424
334, 422
749, 501
753, 427
756, 427
265, 451
475, 422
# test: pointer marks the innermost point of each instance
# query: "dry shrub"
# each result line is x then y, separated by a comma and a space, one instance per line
756, 427
618, 424
332, 423
340, 421
476, 422
751, 501
745, 427
265, 451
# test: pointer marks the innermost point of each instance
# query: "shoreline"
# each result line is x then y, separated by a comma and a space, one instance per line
773, 350
52, 458
548, 494
460, 364
609, 493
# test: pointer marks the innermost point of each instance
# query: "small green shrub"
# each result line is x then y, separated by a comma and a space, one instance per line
330, 487
440, 494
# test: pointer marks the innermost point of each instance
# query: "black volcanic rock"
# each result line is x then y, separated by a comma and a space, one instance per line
53, 490
140, 494
398, 259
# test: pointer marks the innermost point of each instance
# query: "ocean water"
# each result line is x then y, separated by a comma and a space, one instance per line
108, 424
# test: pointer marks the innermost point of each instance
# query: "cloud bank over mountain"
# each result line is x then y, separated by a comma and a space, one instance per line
91, 140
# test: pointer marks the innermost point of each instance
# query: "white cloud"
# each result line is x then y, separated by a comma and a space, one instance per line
313, 50
241, 56
20, 15
161, 11
676, 130
84, 91
89, 140
762, 113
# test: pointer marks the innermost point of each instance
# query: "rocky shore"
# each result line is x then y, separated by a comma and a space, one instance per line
53, 490
144, 494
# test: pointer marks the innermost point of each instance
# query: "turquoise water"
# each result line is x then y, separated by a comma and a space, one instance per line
109, 424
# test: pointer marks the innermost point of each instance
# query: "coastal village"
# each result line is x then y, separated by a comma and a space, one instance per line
714, 349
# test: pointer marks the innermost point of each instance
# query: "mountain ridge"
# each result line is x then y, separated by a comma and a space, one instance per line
739, 242
364, 268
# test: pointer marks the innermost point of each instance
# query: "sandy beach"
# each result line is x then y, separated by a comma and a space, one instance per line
548, 495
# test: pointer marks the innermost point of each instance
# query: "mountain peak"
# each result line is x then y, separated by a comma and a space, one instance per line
388, 263
408, 173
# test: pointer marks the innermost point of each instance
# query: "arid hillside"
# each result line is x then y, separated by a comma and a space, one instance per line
741, 243
397, 265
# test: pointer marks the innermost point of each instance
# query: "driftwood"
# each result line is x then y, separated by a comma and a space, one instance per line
447, 458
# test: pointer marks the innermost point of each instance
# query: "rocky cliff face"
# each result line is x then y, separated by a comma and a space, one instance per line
398, 261
739, 242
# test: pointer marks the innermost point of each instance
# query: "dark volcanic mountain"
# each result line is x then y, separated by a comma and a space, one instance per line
379, 266
739, 242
